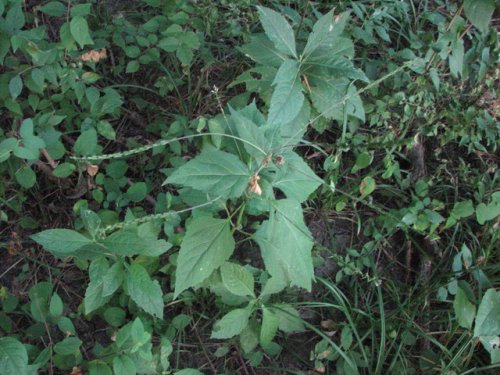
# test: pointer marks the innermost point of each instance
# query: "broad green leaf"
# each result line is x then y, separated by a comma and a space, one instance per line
292, 132
188, 371
208, 243
144, 291
367, 186
325, 31
215, 172
15, 86
56, 305
273, 285
286, 243
295, 178
64, 170
7, 146
250, 132
91, 221
278, 30
492, 345
270, 323
288, 318
462, 209
487, 212
465, 311
53, 8
132, 66
94, 295
80, 31
457, 58
99, 367
479, 12
231, 324
40, 295
329, 97
61, 242
237, 279
14, 19
66, 326
165, 350
13, 357
127, 242
488, 315
114, 316
113, 279
86, 143
287, 97
249, 337
261, 50
106, 130
26, 177
137, 192
123, 364
80, 10
68, 346
346, 337
363, 160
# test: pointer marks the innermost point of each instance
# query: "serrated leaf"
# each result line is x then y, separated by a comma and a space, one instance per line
465, 311
237, 279
231, 324
80, 31
144, 291
112, 280
94, 297
286, 243
457, 58
251, 133
278, 30
488, 313
273, 285
208, 243
249, 337
332, 96
269, 327
215, 172
261, 50
127, 242
61, 241
13, 357
295, 178
479, 12
289, 319
287, 97
325, 31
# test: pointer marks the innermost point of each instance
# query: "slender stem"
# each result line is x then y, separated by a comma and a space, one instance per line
163, 142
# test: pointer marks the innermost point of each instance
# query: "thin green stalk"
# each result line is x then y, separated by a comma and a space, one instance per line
163, 142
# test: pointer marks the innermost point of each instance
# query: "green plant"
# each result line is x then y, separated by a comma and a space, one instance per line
358, 144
